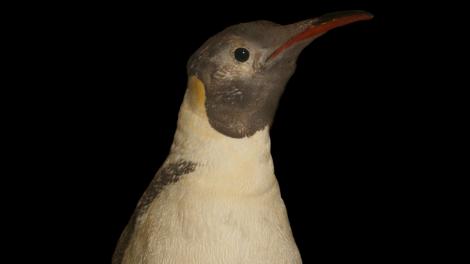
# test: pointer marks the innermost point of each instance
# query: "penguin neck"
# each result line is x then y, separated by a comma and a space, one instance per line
235, 161
194, 135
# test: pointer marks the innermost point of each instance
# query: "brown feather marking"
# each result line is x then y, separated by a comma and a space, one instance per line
168, 174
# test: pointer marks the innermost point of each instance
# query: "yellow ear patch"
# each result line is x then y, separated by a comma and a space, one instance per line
197, 94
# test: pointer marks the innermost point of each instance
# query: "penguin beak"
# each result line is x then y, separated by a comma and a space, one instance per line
306, 31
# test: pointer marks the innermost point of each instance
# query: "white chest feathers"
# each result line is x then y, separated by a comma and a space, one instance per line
224, 207
191, 225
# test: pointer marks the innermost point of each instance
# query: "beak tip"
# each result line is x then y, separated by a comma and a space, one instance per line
361, 14
342, 18
369, 14
365, 15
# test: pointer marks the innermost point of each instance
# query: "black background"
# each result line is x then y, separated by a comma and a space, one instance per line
343, 141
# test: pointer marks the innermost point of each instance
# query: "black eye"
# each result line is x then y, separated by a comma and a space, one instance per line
241, 54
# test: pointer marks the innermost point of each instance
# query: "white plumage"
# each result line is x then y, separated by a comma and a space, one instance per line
228, 210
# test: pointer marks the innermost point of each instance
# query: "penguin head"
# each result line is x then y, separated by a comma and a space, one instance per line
243, 70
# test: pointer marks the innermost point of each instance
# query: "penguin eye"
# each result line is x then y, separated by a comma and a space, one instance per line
241, 54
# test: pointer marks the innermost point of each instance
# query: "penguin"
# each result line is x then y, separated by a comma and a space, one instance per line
216, 199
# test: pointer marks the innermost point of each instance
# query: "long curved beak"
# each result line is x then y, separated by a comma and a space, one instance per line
308, 30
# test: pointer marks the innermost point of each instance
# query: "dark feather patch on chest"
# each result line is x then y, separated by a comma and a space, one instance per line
168, 174
165, 176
